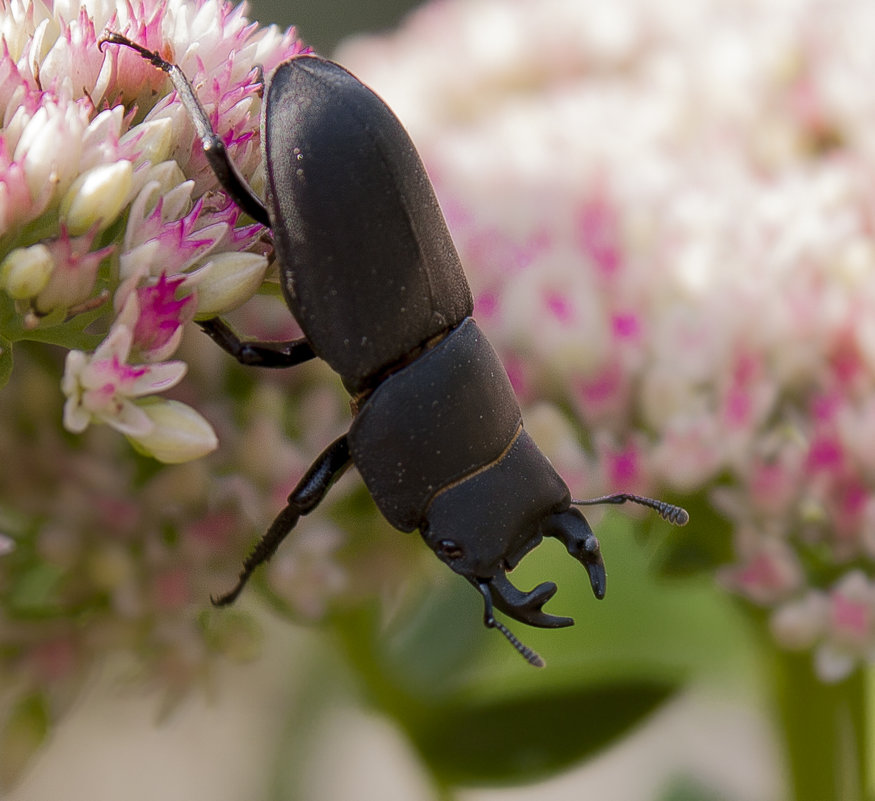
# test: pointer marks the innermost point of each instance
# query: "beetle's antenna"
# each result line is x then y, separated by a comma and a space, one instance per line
532, 657
675, 515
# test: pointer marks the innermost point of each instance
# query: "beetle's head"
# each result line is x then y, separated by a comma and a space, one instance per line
484, 547
483, 525
481, 528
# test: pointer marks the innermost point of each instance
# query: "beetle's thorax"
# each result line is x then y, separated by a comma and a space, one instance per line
441, 418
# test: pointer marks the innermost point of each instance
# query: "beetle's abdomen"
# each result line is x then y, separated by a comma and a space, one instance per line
443, 417
367, 264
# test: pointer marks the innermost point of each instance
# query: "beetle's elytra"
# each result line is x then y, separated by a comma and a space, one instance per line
370, 272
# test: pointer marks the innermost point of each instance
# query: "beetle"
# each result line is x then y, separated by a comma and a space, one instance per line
370, 272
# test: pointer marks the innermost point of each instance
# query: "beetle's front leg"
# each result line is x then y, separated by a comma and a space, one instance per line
254, 353
311, 489
214, 148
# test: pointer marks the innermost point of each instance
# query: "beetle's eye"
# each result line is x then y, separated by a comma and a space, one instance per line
449, 549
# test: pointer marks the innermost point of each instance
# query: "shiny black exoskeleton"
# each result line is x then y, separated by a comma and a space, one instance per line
370, 272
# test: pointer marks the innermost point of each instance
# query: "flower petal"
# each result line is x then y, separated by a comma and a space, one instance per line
178, 434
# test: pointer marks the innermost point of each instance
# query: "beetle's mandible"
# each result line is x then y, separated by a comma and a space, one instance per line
370, 272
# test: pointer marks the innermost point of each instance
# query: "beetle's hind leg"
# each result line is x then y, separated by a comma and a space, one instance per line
311, 489
214, 148
256, 353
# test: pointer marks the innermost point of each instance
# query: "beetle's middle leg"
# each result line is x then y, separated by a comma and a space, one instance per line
255, 353
311, 489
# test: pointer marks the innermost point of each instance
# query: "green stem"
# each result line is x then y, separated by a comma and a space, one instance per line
824, 731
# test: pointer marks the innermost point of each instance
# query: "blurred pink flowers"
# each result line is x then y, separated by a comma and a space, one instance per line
666, 213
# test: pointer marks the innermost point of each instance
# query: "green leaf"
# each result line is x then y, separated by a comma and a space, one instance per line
33, 591
512, 740
689, 788
5, 361
54, 329
479, 714
70, 334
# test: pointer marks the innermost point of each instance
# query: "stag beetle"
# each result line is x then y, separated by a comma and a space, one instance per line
370, 272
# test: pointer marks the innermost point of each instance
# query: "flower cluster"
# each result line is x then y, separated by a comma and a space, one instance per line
666, 214
113, 236
108, 209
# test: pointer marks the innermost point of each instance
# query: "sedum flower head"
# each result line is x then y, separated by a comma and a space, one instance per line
667, 224
104, 191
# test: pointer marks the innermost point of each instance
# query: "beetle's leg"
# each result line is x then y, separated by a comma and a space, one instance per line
571, 528
667, 511
489, 620
311, 489
257, 354
259, 79
214, 148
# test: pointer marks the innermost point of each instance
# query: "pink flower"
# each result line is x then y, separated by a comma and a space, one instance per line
155, 315
172, 245
75, 272
838, 623
161, 315
769, 571
103, 387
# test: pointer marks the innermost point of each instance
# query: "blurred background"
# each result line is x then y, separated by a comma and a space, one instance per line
665, 691
323, 25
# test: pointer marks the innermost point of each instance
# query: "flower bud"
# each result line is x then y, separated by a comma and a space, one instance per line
97, 197
179, 433
25, 272
229, 280
151, 140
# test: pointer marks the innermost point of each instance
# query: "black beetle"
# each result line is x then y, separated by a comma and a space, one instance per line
370, 272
